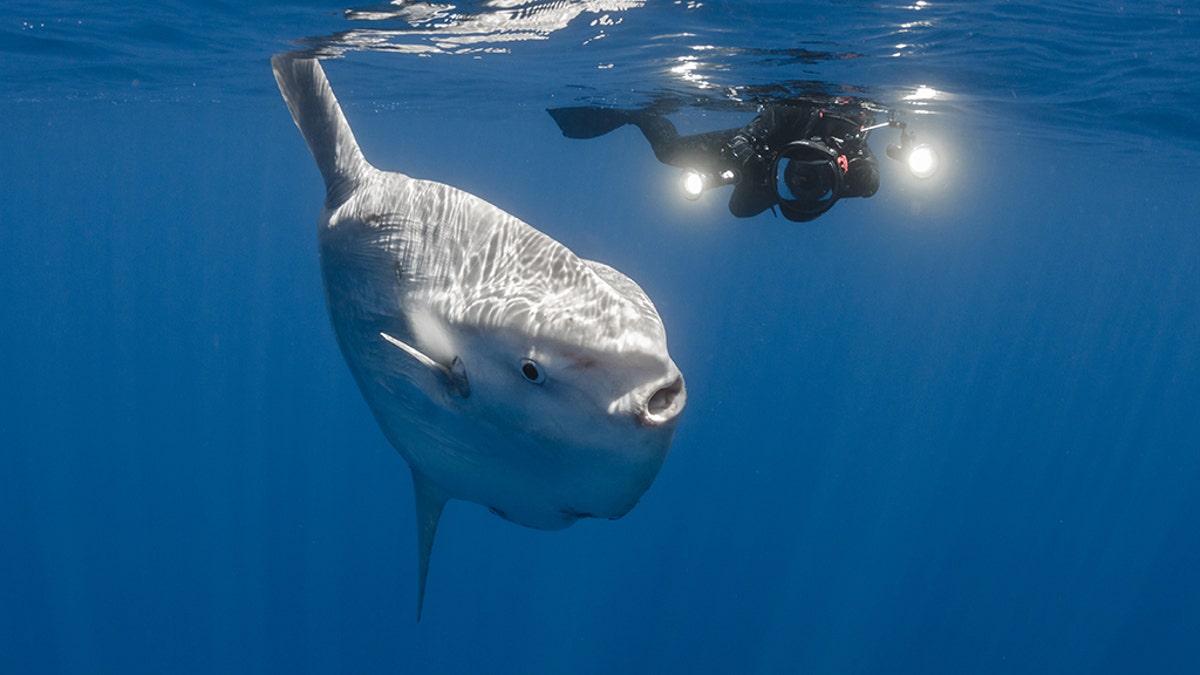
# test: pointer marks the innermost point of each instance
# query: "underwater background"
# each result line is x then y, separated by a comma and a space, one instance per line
952, 428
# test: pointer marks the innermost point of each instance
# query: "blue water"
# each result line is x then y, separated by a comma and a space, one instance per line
953, 428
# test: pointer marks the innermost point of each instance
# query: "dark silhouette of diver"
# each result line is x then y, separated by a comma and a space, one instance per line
799, 155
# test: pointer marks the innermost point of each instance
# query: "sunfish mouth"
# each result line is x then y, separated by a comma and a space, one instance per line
664, 403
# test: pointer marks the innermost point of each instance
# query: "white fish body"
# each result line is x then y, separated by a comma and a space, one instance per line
505, 370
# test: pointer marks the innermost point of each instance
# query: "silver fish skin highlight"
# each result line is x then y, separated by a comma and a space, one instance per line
506, 370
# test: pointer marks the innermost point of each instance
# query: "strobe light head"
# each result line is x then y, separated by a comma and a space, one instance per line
920, 158
922, 161
694, 182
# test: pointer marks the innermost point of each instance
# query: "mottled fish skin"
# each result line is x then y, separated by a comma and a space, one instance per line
506, 370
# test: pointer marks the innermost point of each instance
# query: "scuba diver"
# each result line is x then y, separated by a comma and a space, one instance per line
798, 155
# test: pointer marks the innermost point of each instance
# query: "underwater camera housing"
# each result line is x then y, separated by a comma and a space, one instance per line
808, 179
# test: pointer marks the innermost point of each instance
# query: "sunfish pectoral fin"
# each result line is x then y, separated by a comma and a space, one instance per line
430, 502
455, 374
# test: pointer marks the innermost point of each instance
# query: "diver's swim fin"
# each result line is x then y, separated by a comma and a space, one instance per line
586, 122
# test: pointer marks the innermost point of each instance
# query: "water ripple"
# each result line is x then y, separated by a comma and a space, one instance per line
1080, 70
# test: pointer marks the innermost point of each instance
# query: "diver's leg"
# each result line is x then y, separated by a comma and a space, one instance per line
661, 134
699, 151
584, 122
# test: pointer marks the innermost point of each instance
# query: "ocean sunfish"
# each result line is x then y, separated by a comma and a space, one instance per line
506, 370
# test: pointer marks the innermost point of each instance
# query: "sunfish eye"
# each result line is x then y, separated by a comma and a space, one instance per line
532, 371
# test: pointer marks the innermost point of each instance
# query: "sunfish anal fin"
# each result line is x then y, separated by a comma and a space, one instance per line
430, 502
455, 374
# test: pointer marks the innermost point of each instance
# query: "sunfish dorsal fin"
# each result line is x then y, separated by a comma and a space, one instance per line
316, 111
430, 502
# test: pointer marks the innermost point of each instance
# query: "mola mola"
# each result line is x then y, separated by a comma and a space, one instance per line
505, 370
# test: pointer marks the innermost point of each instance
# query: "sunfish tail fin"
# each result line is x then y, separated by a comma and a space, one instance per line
317, 113
430, 502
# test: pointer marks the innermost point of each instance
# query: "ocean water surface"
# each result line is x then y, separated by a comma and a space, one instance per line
952, 428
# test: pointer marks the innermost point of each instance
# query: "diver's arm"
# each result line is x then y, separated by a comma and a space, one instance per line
750, 199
